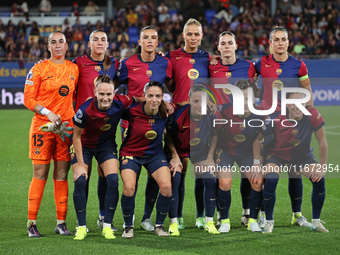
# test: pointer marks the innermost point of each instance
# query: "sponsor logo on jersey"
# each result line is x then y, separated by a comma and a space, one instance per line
178, 57
151, 122
149, 73
72, 77
195, 141
97, 68
278, 71
193, 74
105, 127
64, 90
216, 71
239, 138
37, 150
29, 75
268, 65
151, 134
277, 84
192, 61
197, 130
135, 69
228, 74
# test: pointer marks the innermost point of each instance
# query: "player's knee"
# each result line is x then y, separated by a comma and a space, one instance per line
257, 186
165, 188
129, 189
224, 184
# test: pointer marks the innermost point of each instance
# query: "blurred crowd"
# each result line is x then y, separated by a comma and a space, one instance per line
313, 26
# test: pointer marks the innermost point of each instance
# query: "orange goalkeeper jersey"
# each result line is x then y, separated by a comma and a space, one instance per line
52, 86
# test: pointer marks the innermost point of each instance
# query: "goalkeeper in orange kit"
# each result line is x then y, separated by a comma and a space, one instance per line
49, 90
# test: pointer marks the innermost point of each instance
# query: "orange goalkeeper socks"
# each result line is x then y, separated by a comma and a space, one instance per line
60, 198
35, 194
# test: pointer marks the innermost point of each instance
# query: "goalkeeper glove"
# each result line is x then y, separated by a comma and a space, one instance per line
49, 127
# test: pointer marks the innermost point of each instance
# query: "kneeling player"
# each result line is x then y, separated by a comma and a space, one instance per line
291, 145
94, 136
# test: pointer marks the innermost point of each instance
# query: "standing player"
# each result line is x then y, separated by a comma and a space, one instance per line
193, 134
48, 92
229, 70
94, 135
235, 145
277, 70
143, 147
136, 71
291, 145
190, 64
90, 67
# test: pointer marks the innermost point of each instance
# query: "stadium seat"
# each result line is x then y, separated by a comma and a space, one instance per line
173, 12
64, 13
5, 14
209, 15
133, 39
133, 31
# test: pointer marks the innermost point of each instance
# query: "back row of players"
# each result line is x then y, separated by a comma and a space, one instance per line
144, 73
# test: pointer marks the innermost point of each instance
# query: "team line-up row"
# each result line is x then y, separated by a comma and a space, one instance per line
52, 85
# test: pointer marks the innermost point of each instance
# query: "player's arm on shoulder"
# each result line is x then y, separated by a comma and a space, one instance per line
175, 163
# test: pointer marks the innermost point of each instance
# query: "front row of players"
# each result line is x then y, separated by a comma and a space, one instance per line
191, 134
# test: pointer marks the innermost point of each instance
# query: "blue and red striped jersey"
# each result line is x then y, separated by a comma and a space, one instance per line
187, 68
100, 126
89, 70
240, 70
278, 74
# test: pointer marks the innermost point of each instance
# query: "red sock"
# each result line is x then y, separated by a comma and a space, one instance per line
60, 198
35, 194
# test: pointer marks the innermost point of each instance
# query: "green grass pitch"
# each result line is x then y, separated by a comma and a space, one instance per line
16, 174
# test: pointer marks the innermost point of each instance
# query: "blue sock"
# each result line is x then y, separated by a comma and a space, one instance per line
101, 192
224, 201
151, 193
199, 189
245, 189
111, 198
79, 199
255, 203
181, 192
269, 194
295, 187
128, 206
318, 198
209, 195
162, 207
217, 188
175, 182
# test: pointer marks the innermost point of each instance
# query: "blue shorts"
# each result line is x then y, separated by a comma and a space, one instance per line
152, 163
293, 165
226, 160
101, 155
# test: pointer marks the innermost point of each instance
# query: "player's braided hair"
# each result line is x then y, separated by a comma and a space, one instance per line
107, 59
227, 33
162, 107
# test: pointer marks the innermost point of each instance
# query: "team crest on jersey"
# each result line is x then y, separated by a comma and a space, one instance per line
197, 130
98, 68
149, 73
72, 77
64, 90
277, 84
193, 74
151, 134
195, 141
295, 142
106, 119
105, 127
228, 74
242, 127
125, 161
192, 61
295, 132
151, 121
239, 138
278, 71
37, 150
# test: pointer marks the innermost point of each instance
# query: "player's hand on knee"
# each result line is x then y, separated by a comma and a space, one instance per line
79, 171
175, 165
